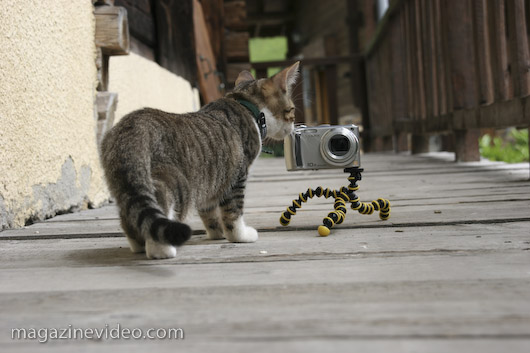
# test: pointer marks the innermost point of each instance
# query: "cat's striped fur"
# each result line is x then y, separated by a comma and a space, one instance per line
158, 164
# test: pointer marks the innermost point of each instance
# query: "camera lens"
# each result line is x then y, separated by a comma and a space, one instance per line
339, 145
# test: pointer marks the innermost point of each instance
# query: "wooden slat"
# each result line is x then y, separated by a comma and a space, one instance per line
213, 11
518, 46
235, 15
441, 57
427, 44
431, 39
485, 77
461, 53
176, 45
409, 61
398, 87
209, 82
236, 45
422, 113
499, 57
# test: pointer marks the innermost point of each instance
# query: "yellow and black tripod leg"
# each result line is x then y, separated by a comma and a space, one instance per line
285, 218
342, 197
335, 217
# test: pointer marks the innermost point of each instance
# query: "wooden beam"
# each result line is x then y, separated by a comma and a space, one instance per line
236, 46
235, 15
106, 107
333, 60
112, 30
466, 145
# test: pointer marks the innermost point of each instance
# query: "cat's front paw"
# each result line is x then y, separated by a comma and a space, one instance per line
251, 235
156, 250
244, 234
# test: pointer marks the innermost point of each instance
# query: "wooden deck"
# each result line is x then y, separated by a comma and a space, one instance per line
449, 272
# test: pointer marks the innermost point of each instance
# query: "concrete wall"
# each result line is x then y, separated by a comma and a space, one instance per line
49, 161
143, 83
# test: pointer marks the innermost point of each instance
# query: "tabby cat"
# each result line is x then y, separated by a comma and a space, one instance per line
158, 164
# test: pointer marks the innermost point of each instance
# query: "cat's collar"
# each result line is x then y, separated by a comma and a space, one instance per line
258, 116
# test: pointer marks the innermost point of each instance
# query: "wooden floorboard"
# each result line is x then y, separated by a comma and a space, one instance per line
449, 272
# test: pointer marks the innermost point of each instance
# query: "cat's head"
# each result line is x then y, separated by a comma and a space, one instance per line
273, 96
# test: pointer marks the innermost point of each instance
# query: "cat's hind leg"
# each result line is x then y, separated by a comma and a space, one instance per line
136, 245
211, 217
156, 249
235, 229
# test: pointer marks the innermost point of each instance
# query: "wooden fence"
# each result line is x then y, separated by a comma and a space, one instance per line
448, 66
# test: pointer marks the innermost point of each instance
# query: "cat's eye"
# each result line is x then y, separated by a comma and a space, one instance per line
289, 110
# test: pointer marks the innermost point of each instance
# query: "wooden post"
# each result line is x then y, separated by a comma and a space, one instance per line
332, 99
466, 145
462, 57
106, 107
401, 142
358, 69
111, 38
419, 143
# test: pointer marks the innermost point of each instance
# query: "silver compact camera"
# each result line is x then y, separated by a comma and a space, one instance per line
322, 147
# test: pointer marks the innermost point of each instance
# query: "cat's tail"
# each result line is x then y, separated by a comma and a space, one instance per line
147, 217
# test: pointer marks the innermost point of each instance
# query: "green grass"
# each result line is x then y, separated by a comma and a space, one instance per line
268, 49
511, 149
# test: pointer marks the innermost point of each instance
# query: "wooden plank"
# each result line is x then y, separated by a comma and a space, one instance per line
236, 15
472, 238
427, 44
233, 70
441, 56
330, 74
485, 76
214, 16
236, 45
518, 46
461, 54
141, 21
422, 112
433, 51
398, 87
209, 82
409, 61
499, 57
175, 29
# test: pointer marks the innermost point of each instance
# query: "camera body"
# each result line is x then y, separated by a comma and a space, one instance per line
322, 147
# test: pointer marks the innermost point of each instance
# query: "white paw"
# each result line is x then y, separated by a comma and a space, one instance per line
242, 233
155, 250
250, 235
135, 246
215, 234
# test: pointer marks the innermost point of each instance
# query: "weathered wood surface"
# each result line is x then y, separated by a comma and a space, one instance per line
450, 270
112, 30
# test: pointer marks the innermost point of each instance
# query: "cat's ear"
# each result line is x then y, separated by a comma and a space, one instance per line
286, 78
244, 76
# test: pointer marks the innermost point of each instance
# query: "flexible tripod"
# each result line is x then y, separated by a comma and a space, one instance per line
341, 196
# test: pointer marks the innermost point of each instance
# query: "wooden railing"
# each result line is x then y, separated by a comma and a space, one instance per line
448, 66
